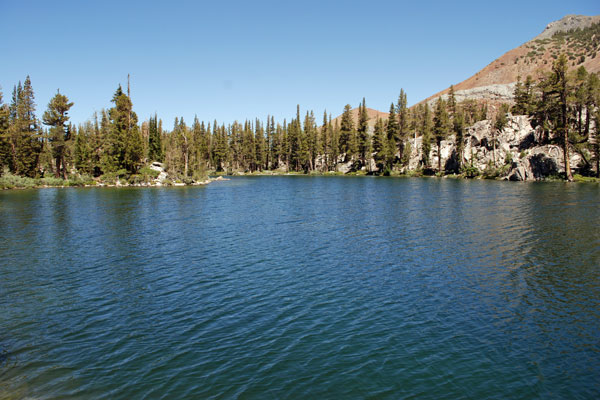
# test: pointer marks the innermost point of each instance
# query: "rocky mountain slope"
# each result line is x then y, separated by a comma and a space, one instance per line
577, 36
519, 154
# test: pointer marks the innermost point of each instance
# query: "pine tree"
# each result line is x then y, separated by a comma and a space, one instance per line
426, 129
561, 88
392, 134
154, 140
335, 142
310, 130
592, 101
458, 124
108, 146
379, 142
56, 117
325, 143
523, 96
25, 133
83, 151
403, 119
451, 101
125, 146
259, 144
441, 124
364, 143
5, 154
346, 132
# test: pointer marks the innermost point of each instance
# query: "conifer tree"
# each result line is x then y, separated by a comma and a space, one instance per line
403, 122
426, 129
592, 101
523, 96
83, 151
441, 124
259, 144
392, 134
346, 132
25, 131
125, 145
5, 154
379, 142
561, 89
335, 142
325, 143
154, 140
56, 117
451, 101
269, 132
458, 124
310, 130
364, 143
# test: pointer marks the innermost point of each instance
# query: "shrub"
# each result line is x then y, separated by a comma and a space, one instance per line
10, 181
470, 171
149, 173
52, 181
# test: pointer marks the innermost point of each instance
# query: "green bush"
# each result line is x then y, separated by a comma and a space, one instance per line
52, 181
149, 173
470, 171
136, 179
111, 177
10, 181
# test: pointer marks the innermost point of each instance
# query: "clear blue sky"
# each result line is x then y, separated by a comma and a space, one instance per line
245, 59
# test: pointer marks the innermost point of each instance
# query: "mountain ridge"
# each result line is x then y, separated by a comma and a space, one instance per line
578, 36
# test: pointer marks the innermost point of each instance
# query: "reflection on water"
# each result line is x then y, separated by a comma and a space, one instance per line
301, 287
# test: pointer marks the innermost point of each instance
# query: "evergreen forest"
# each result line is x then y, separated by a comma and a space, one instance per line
114, 144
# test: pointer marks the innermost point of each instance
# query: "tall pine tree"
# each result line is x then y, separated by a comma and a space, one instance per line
56, 117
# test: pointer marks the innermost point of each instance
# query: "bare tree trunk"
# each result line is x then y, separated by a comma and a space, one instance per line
64, 167
439, 146
185, 156
494, 147
57, 166
597, 157
569, 175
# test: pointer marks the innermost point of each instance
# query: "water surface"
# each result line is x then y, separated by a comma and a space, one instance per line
302, 287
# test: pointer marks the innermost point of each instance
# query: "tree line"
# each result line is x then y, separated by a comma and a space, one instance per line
114, 142
564, 105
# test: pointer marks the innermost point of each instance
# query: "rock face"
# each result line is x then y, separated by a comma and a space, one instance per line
518, 149
567, 23
500, 93
532, 58
162, 175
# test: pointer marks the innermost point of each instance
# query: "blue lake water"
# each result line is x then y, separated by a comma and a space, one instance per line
302, 287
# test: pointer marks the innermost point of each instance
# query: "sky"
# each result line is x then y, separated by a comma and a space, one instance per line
238, 60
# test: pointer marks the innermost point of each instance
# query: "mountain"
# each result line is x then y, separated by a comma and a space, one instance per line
373, 115
577, 36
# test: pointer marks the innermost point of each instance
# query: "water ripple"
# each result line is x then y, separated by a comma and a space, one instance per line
301, 288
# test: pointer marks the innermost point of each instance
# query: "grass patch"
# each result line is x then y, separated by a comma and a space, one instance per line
586, 179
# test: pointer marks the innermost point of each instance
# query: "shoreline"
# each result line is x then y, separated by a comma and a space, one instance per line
117, 185
576, 178
225, 177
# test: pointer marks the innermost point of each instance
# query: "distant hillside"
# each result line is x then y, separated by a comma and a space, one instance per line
577, 36
373, 115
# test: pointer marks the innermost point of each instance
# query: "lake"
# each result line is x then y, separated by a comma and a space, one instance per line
302, 287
